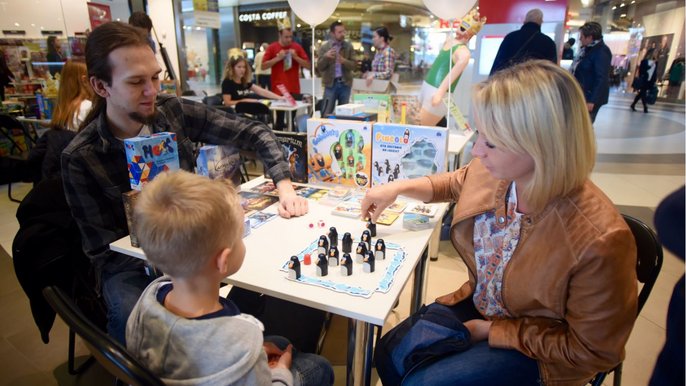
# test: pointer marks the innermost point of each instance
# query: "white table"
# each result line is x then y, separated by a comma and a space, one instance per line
456, 144
278, 105
269, 246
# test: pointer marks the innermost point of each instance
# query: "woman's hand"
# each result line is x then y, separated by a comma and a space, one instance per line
478, 329
290, 204
370, 78
377, 199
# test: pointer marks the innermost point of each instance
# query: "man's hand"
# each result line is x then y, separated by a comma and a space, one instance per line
478, 329
330, 54
277, 358
590, 106
281, 54
290, 204
377, 199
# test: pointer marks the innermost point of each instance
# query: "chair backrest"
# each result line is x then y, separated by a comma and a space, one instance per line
649, 257
110, 354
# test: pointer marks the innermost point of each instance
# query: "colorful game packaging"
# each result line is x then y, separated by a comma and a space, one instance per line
295, 149
339, 152
401, 152
219, 162
376, 103
148, 156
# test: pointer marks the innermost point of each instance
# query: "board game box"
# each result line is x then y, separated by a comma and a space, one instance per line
295, 149
411, 106
375, 103
339, 152
402, 152
148, 156
216, 161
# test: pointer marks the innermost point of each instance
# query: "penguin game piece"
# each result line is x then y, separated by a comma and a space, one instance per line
367, 238
333, 256
294, 268
323, 245
380, 249
333, 237
368, 263
322, 265
372, 228
347, 243
346, 265
361, 251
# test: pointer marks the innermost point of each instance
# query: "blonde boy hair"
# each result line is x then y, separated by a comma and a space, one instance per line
537, 108
183, 220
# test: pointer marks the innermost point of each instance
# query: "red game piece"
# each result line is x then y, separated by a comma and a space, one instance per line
308, 259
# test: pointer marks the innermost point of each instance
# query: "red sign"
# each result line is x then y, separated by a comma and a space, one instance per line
98, 14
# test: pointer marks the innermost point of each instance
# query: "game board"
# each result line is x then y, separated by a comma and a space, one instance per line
360, 283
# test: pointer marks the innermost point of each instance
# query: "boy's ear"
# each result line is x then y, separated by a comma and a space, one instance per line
222, 261
99, 86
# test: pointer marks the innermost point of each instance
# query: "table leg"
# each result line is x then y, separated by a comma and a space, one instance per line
435, 241
289, 120
360, 347
418, 285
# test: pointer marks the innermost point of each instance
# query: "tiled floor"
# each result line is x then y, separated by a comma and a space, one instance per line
640, 161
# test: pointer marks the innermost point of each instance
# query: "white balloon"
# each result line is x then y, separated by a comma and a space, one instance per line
449, 9
313, 12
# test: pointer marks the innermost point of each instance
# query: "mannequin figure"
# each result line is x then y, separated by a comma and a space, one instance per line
435, 85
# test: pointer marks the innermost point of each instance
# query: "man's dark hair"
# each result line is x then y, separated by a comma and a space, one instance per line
571, 41
592, 29
333, 26
100, 43
141, 20
51, 44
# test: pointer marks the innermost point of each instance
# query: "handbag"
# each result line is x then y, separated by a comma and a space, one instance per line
637, 83
431, 333
651, 95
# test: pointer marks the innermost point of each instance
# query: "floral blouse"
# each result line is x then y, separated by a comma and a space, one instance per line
493, 248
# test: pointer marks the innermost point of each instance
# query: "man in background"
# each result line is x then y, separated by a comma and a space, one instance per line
592, 67
336, 64
526, 43
142, 20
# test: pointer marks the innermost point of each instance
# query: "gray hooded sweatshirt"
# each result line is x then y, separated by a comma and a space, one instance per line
220, 351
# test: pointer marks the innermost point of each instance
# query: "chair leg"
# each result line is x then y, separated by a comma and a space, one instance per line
9, 193
617, 380
71, 359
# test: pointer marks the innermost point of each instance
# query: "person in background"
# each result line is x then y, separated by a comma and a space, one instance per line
671, 228
526, 43
567, 50
237, 86
54, 55
181, 329
591, 68
142, 20
645, 79
536, 237
383, 64
263, 76
285, 57
125, 77
676, 77
336, 66
72, 105
6, 76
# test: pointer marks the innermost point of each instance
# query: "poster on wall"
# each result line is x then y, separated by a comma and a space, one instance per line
661, 44
206, 13
98, 14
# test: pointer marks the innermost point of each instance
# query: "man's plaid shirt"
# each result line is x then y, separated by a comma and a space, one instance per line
95, 172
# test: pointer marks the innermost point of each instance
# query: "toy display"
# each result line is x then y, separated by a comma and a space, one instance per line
339, 152
376, 103
401, 152
295, 149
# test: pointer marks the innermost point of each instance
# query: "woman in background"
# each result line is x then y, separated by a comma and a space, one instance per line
645, 79
72, 106
237, 86
383, 64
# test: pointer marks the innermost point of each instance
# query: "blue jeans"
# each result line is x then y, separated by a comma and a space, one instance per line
479, 365
123, 280
339, 92
307, 369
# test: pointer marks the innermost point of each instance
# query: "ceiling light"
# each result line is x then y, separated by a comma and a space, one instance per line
622, 15
622, 5
614, 7
16, 24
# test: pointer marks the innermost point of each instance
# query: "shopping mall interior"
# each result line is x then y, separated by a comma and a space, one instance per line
640, 156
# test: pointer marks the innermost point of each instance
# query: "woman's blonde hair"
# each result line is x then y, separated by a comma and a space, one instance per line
74, 89
231, 64
182, 220
537, 108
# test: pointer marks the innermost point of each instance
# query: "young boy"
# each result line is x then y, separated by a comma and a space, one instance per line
191, 228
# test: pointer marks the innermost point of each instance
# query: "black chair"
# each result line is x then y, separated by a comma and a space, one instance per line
648, 265
254, 110
110, 354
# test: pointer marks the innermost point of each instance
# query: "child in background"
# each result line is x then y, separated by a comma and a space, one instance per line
190, 227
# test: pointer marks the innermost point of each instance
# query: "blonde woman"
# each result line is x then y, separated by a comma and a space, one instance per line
551, 295
237, 85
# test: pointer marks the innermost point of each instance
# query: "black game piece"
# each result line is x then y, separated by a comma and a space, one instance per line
368, 263
333, 256
361, 251
294, 268
346, 265
333, 237
323, 245
347, 243
372, 228
367, 238
380, 249
322, 265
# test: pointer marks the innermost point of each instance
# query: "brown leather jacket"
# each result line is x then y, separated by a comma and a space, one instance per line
570, 285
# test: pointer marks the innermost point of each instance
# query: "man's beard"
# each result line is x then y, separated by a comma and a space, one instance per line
144, 119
